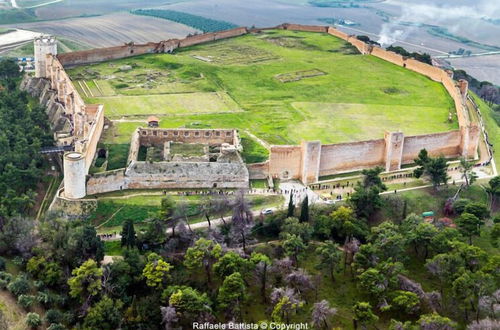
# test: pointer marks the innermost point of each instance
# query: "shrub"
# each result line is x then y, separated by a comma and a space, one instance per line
19, 286
25, 301
33, 320
56, 326
54, 316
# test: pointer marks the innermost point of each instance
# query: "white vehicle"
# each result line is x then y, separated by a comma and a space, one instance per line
267, 211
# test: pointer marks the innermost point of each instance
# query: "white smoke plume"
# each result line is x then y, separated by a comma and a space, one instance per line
435, 14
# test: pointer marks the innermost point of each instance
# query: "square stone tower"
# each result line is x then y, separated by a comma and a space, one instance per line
44, 45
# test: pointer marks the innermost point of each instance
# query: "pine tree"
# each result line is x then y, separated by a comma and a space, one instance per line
291, 207
304, 211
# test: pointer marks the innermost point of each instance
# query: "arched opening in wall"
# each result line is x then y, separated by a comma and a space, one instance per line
131, 51
214, 185
213, 159
285, 175
404, 65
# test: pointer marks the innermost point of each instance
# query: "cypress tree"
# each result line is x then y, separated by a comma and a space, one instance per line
304, 210
128, 234
291, 207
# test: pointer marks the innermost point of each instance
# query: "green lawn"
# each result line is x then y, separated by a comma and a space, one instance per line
235, 83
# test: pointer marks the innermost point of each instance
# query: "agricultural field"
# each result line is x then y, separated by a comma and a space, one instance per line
111, 29
281, 86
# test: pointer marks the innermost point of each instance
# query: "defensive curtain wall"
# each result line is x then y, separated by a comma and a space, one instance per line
82, 124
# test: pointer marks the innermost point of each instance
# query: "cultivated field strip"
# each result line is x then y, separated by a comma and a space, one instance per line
112, 29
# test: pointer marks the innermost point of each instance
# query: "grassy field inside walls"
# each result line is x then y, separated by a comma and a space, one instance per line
281, 86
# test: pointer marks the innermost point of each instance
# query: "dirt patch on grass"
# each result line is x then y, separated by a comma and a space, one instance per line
299, 75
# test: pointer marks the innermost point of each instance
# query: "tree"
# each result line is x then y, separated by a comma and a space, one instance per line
181, 212
435, 321
468, 224
495, 234
229, 263
128, 234
291, 207
388, 241
49, 272
346, 225
405, 301
299, 280
478, 209
242, 218
203, 254
232, 293
156, 271
366, 198
434, 168
294, 246
188, 302
330, 257
167, 208
494, 190
86, 280
321, 312
422, 235
363, 315
168, 317
17, 235
285, 303
105, 314
261, 264
304, 210
33, 320
84, 244
8, 69
293, 226
466, 168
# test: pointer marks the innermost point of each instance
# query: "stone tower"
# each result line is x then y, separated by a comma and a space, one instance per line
44, 45
74, 175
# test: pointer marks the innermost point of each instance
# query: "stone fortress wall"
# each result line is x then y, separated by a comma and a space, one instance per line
307, 161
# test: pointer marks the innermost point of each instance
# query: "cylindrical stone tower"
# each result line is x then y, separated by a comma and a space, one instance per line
44, 45
74, 175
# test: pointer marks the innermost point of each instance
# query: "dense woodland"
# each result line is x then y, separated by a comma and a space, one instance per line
367, 263
24, 129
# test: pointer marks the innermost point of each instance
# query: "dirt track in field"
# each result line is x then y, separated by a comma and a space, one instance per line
111, 30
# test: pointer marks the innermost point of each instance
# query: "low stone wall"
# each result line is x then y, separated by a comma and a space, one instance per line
258, 171
105, 182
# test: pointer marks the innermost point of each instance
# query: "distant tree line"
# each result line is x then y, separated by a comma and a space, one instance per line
425, 58
24, 129
195, 21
